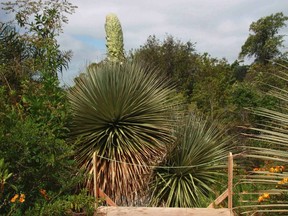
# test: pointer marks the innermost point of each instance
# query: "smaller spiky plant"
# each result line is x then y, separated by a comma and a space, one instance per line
201, 150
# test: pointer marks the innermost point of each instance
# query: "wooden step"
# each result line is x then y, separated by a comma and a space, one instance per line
159, 211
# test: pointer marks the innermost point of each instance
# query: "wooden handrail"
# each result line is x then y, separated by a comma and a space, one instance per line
106, 198
219, 199
230, 181
229, 191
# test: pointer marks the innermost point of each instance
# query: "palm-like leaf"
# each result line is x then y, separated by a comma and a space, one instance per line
273, 135
201, 150
121, 112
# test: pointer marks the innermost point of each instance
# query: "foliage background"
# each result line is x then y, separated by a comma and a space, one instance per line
35, 117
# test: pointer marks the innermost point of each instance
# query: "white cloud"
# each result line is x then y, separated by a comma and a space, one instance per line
218, 27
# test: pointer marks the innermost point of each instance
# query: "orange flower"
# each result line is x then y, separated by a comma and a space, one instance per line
263, 197
256, 169
283, 181
260, 199
14, 198
277, 169
22, 198
266, 195
43, 192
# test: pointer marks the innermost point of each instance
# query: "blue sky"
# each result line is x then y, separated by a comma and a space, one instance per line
90, 41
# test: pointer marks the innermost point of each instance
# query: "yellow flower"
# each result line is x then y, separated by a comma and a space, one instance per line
256, 169
14, 198
260, 199
22, 198
281, 182
263, 197
266, 195
271, 170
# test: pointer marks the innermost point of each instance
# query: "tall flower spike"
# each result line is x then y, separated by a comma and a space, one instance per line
114, 38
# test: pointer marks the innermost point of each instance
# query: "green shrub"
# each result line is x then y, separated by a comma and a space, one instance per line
65, 205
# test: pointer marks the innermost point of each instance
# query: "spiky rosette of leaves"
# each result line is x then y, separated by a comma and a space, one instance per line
193, 167
121, 112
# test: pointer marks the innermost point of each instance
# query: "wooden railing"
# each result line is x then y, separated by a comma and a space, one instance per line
229, 191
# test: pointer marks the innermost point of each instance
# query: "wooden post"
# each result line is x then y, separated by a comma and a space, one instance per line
95, 180
230, 181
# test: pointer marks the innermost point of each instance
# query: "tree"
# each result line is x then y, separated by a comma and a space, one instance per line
174, 58
212, 82
264, 43
33, 108
40, 23
25, 12
14, 57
